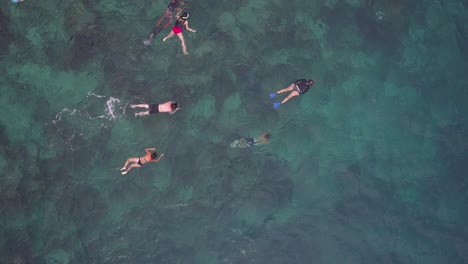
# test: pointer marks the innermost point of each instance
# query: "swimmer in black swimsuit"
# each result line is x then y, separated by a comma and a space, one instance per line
168, 107
250, 142
138, 162
299, 87
165, 20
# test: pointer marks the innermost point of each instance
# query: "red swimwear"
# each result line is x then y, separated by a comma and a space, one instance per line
176, 30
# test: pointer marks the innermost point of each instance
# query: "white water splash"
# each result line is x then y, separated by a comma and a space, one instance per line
113, 109
379, 15
112, 103
76, 125
95, 95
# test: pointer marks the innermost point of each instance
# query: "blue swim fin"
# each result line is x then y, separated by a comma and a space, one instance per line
272, 95
276, 105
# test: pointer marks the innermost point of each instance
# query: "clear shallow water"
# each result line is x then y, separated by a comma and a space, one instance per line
368, 166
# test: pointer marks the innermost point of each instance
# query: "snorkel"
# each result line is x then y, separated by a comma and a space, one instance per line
184, 16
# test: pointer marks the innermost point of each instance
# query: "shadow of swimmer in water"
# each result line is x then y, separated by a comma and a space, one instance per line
165, 21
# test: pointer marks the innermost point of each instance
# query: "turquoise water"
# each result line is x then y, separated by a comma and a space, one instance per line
369, 166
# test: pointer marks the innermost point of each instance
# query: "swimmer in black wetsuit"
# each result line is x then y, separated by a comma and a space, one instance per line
138, 162
250, 142
299, 87
165, 20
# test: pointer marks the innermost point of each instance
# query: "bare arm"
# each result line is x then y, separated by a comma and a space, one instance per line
157, 160
149, 149
188, 28
243, 143
261, 140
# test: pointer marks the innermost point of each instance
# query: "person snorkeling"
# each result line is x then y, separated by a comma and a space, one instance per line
165, 20
138, 162
181, 22
168, 107
299, 87
250, 142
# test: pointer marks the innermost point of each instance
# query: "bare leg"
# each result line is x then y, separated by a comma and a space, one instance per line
142, 113
139, 106
287, 89
235, 144
182, 40
170, 35
135, 160
240, 143
291, 95
134, 165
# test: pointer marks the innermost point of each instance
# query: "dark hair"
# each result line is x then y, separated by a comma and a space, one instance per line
267, 135
311, 81
184, 16
154, 155
174, 105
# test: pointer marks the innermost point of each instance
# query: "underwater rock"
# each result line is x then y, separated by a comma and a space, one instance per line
291, 243
356, 3
232, 114
226, 22
383, 23
81, 204
17, 248
6, 37
205, 107
77, 17
3, 163
81, 51
59, 256
271, 191
86, 44
128, 194
12, 174
206, 48
232, 103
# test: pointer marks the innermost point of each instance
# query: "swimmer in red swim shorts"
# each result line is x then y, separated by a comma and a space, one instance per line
178, 28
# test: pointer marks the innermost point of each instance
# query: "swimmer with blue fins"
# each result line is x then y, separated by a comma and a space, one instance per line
299, 87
